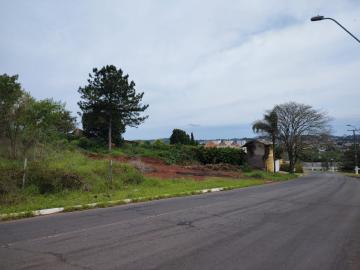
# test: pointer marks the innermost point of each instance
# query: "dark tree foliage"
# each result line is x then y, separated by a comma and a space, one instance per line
192, 140
10, 93
348, 159
221, 155
179, 136
109, 104
26, 122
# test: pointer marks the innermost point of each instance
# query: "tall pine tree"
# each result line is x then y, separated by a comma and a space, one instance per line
109, 104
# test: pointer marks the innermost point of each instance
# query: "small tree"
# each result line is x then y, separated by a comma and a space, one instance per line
296, 121
269, 126
192, 139
179, 136
45, 120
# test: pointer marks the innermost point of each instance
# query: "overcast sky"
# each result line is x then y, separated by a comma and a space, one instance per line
211, 67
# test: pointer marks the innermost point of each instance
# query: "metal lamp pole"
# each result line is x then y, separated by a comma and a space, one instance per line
321, 18
355, 147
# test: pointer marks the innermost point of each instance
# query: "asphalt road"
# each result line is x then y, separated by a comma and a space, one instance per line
308, 223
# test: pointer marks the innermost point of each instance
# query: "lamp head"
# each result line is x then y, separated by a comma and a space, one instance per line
317, 18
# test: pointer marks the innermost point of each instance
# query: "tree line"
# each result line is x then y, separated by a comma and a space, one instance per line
109, 103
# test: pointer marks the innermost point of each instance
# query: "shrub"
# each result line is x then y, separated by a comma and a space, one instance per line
246, 168
91, 144
299, 168
128, 175
286, 167
49, 180
132, 177
221, 155
257, 175
158, 144
10, 177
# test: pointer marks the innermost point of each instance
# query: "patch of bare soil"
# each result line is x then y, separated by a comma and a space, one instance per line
158, 168
154, 167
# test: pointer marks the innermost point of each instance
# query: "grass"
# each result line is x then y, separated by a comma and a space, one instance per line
270, 176
70, 168
150, 189
353, 175
170, 154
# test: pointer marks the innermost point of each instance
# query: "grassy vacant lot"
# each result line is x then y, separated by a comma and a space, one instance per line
68, 177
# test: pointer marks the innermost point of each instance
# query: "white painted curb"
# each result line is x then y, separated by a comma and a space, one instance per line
50, 211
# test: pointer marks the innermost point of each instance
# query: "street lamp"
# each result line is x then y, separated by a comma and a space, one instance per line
354, 129
321, 18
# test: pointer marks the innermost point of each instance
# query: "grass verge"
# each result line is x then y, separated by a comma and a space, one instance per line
150, 189
353, 175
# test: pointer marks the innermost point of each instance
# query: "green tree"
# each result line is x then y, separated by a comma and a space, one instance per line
192, 139
296, 122
13, 104
109, 104
179, 136
269, 126
45, 121
25, 122
348, 159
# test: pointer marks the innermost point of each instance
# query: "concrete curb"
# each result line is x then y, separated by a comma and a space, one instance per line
49, 211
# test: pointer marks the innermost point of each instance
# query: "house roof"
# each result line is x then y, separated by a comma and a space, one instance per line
262, 141
211, 144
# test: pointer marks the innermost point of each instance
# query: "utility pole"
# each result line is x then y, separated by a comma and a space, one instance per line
110, 148
354, 129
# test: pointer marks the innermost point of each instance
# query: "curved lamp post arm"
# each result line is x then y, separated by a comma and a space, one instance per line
320, 18
335, 21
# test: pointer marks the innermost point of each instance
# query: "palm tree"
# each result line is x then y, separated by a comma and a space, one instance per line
268, 125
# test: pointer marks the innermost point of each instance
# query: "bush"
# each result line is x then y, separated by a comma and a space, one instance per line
132, 177
49, 180
299, 168
286, 167
10, 176
128, 175
347, 163
158, 144
246, 168
90, 144
256, 174
221, 155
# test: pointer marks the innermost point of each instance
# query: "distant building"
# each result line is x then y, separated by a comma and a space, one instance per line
225, 143
260, 155
211, 144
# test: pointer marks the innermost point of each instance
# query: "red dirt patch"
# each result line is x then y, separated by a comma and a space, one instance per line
158, 168
154, 167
